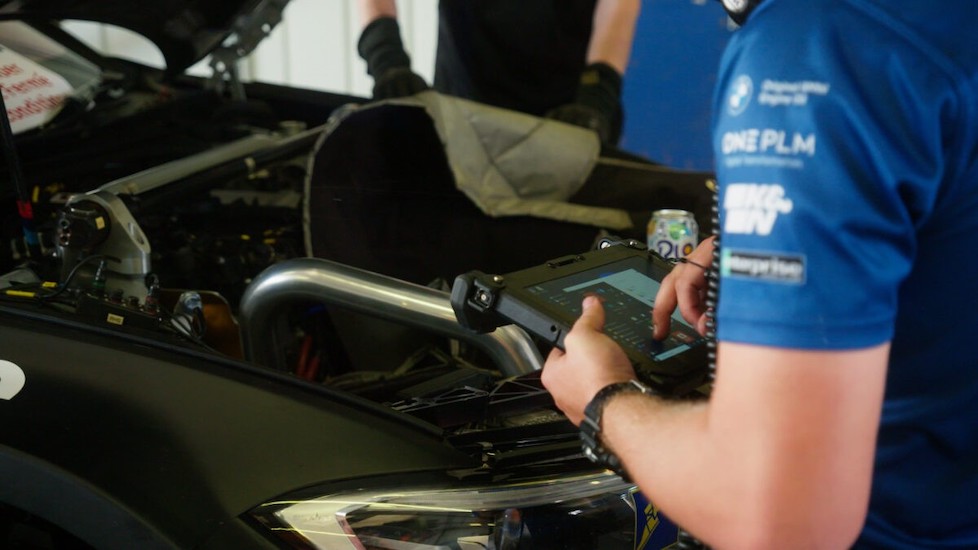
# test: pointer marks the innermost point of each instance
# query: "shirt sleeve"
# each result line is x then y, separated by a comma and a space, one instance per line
827, 159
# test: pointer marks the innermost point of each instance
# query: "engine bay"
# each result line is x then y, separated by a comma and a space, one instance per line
169, 211
155, 224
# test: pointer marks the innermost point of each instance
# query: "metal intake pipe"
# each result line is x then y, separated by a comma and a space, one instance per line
317, 280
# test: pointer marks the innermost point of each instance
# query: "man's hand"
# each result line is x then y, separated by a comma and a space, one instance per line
398, 82
686, 287
592, 361
597, 103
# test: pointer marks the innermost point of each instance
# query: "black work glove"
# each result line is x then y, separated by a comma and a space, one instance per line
381, 47
597, 103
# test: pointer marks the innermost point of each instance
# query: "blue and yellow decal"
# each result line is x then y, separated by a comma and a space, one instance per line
653, 530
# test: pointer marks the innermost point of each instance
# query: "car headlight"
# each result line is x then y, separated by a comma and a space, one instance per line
587, 511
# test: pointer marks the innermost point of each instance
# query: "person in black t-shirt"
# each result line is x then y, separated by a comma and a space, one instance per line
558, 58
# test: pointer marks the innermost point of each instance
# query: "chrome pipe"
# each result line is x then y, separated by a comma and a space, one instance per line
366, 292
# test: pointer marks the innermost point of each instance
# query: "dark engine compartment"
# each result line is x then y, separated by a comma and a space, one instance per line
146, 128
207, 193
211, 231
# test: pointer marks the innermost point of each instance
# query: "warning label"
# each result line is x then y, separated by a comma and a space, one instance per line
33, 94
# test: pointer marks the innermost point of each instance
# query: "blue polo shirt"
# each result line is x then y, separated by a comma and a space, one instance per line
846, 136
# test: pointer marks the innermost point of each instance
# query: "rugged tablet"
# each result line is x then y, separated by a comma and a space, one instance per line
546, 300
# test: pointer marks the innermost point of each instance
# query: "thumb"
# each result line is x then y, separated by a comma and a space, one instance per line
592, 315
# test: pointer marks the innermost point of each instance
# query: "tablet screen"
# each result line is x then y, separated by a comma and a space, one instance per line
628, 296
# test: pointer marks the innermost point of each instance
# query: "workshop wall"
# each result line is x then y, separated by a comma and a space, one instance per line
313, 47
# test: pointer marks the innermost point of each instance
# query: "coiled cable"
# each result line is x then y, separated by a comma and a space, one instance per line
713, 288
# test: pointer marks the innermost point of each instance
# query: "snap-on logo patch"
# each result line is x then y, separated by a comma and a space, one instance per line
780, 268
11, 380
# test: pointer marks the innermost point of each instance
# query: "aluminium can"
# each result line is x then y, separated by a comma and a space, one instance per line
672, 233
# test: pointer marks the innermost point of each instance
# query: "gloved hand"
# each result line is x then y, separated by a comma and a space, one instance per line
597, 103
381, 47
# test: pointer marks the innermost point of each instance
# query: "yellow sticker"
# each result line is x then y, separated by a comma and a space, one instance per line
20, 293
114, 319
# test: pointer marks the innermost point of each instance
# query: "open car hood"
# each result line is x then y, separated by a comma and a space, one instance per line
185, 31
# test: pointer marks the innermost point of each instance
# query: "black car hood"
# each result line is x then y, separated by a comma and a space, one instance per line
184, 30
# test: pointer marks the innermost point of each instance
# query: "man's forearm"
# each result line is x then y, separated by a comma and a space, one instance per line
613, 32
670, 459
783, 449
696, 479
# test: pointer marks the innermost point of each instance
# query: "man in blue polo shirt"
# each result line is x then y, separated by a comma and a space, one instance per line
845, 408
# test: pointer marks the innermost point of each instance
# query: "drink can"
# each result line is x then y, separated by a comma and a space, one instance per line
672, 233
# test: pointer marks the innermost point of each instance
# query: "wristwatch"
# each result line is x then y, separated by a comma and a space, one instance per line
591, 425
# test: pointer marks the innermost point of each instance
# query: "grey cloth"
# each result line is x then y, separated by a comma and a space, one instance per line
513, 164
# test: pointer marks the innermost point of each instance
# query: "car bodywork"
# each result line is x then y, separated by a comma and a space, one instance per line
123, 443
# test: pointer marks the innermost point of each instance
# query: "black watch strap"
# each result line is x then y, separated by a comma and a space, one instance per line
591, 425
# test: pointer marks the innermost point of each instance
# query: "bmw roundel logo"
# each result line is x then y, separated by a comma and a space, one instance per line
740, 94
